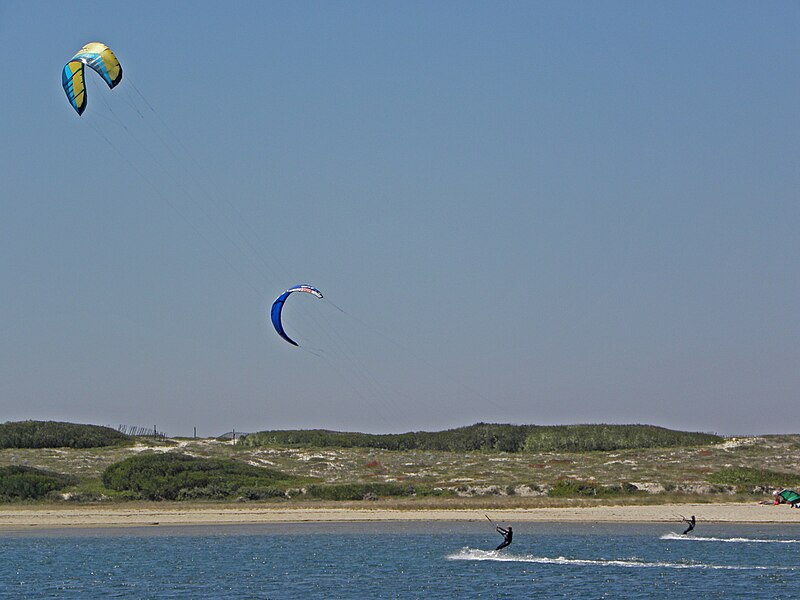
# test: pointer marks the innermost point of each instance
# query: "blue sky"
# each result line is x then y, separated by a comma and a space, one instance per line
518, 212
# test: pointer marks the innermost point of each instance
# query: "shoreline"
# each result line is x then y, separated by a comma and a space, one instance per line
103, 516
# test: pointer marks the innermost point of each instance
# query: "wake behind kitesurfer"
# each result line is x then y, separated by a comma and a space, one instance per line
507, 534
691, 522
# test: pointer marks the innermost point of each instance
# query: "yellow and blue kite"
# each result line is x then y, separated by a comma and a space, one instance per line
100, 58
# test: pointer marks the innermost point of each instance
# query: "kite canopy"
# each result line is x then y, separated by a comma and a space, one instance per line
100, 58
277, 308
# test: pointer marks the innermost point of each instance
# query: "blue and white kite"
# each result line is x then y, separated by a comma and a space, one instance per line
277, 308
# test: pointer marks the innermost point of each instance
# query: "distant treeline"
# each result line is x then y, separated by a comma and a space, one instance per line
53, 434
490, 437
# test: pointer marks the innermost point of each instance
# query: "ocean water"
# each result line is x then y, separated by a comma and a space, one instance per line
409, 560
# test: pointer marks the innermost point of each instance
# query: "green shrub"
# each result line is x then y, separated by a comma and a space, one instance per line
747, 476
567, 488
208, 492
53, 434
27, 483
262, 493
172, 476
570, 487
359, 491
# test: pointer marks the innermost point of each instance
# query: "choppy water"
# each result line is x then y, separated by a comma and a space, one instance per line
416, 560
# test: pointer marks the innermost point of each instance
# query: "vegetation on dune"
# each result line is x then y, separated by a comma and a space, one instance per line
497, 465
491, 437
745, 477
359, 491
54, 434
570, 488
585, 438
173, 476
27, 483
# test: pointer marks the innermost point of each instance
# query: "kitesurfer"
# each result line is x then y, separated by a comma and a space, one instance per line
507, 535
691, 523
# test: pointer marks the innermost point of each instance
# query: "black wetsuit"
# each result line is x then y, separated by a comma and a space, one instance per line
507, 535
691, 525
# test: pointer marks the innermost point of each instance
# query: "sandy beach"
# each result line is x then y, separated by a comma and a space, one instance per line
104, 516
